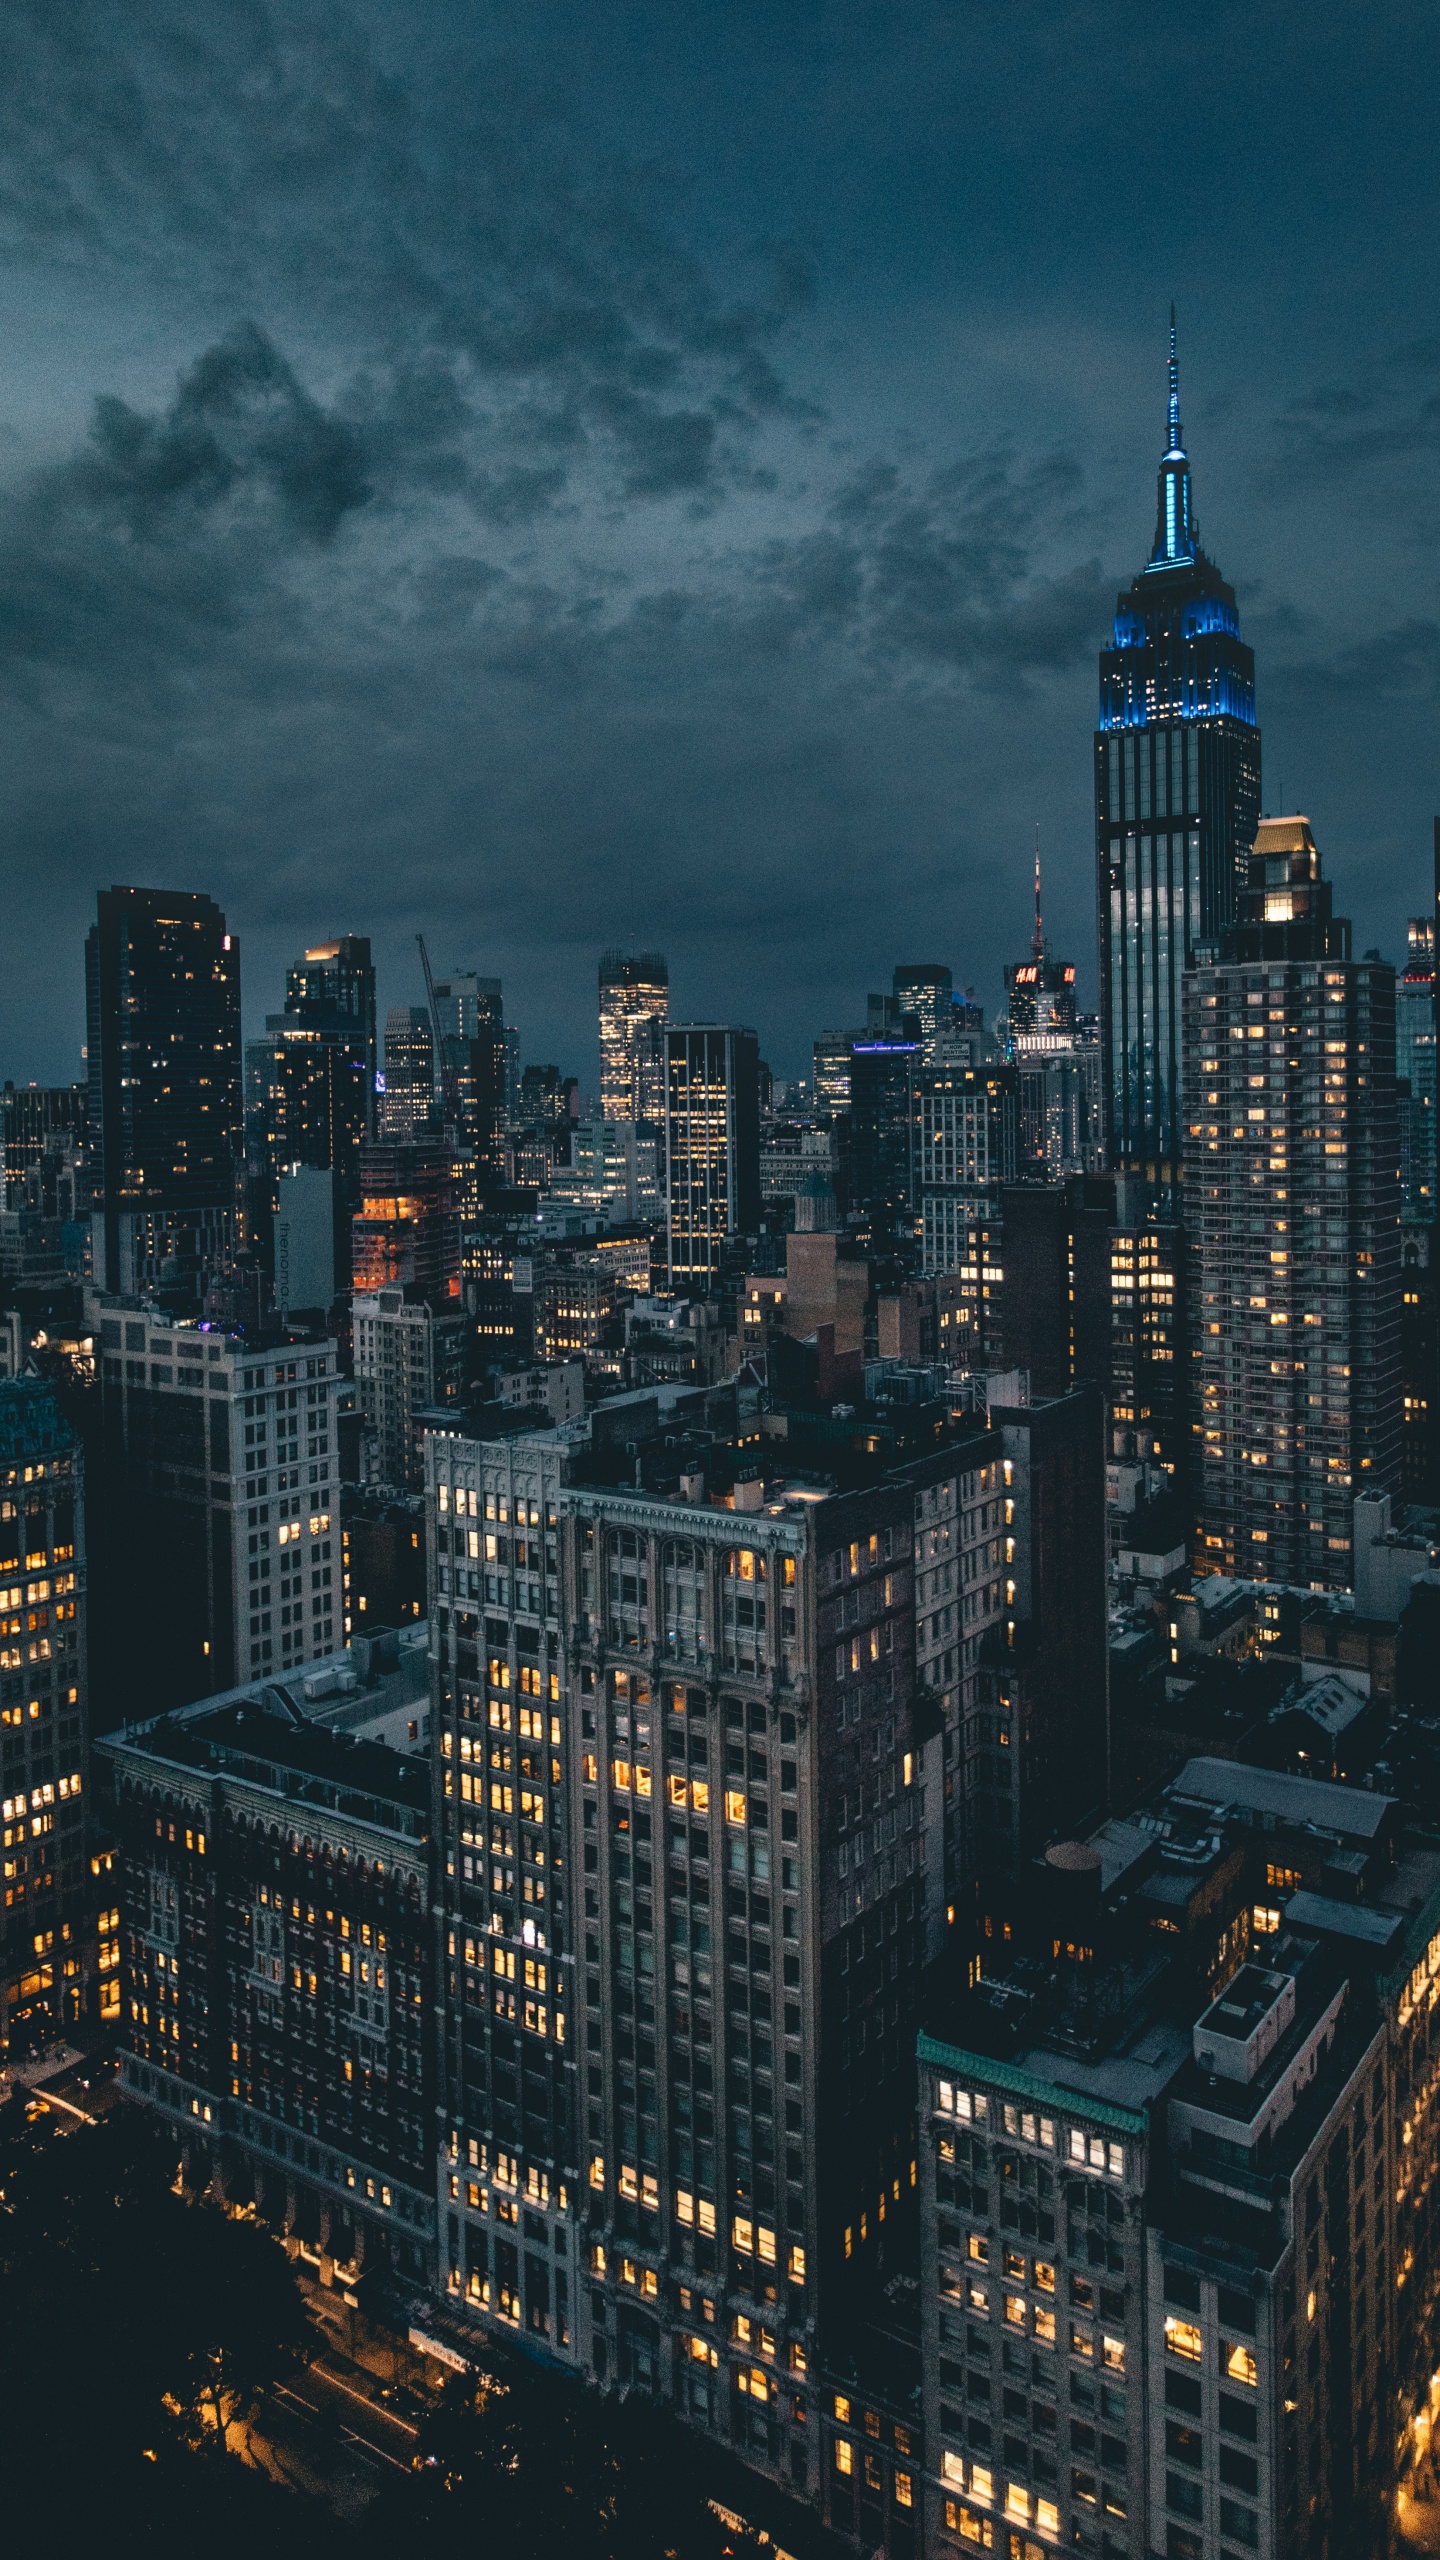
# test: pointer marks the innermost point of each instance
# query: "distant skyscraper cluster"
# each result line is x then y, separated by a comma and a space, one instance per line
777, 1738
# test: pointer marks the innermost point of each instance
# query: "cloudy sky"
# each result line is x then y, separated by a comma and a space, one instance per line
546, 474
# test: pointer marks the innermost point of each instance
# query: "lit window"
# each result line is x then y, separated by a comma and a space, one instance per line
1239, 2363
1182, 2338
844, 2455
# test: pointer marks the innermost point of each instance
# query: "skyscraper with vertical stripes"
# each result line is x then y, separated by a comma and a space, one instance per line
1177, 797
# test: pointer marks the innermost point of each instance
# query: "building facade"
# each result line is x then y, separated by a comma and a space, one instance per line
165, 1101
1177, 796
409, 1360
224, 1463
712, 1148
1291, 1189
405, 1097
47, 1920
1166, 2192
278, 1971
634, 1009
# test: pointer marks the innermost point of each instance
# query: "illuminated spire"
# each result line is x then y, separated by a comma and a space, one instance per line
1037, 944
1174, 522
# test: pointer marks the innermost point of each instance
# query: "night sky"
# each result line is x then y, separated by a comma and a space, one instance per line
550, 474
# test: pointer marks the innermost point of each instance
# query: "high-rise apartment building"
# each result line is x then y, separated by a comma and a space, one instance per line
47, 1936
162, 994
406, 1096
712, 1148
223, 1462
1177, 795
634, 1009
1292, 1166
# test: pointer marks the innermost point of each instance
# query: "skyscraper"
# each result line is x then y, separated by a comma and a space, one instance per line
1177, 795
1291, 1174
1415, 1063
475, 1067
1056, 1056
712, 1147
634, 1008
162, 994
925, 988
312, 1078
407, 1089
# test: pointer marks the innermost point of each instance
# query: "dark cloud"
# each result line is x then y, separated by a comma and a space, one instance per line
560, 473
1348, 431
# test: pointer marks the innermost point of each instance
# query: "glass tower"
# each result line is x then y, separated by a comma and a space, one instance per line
1177, 797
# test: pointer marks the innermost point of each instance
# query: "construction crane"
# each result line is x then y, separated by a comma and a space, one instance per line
449, 1081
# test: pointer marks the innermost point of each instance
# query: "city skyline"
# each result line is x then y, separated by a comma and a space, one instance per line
729, 580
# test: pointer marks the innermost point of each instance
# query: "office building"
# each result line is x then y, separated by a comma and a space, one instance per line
925, 990
634, 1009
1059, 1121
1040, 991
510, 2177
1175, 2267
474, 1068
410, 1360
1415, 1065
1292, 1170
701, 1775
881, 1173
278, 1967
311, 1080
1177, 796
33, 1117
223, 1469
310, 1231
1058, 1306
712, 1148
405, 1233
47, 1932
962, 1147
614, 1167
1037, 1737
405, 1094
832, 1055
164, 1100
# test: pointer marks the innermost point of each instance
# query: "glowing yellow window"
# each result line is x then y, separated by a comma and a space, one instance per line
1240, 2364
1182, 2338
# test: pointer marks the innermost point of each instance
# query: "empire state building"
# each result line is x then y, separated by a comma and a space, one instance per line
1177, 798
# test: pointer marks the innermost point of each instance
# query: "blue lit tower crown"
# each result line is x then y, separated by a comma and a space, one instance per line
1177, 797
